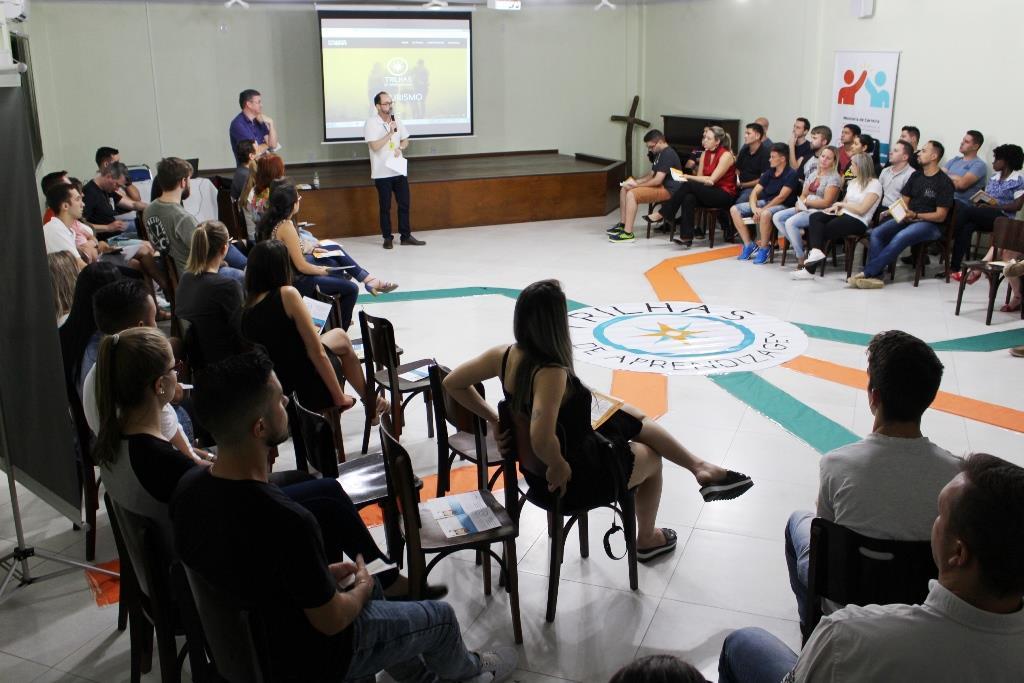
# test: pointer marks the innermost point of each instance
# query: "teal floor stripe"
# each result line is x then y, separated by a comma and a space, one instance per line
450, 293
836, 335
993, 341
807, 424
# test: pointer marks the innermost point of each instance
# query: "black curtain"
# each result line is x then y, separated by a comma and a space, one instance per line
33, 403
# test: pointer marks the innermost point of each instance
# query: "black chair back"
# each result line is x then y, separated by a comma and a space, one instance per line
317, 440
447, 409
235, 636
1007, 233
379, 350
849, 568
520, 426
401, 480
147, 551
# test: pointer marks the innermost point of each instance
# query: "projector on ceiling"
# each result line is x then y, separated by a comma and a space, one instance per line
505, 4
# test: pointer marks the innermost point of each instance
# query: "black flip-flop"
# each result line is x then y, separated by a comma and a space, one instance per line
732, 486
648, 554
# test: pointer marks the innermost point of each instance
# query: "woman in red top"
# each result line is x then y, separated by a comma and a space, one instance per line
714, 186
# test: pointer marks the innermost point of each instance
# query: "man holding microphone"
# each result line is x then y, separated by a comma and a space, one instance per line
387, 138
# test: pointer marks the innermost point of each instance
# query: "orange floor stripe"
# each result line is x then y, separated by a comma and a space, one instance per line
106, 589
463, 479
671, 285
645, 390
954, 404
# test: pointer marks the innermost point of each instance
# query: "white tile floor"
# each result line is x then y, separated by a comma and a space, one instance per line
729, 570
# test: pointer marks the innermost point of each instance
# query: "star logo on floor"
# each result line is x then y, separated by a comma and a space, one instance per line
667, 332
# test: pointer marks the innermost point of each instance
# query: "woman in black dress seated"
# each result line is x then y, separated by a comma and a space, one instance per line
586, 466
306, 362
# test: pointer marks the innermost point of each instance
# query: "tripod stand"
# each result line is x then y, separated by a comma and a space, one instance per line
16, 561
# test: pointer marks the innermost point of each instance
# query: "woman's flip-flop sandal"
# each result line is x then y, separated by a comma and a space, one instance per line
648, 554
733, 485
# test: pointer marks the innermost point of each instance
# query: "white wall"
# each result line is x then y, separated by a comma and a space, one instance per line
775, 58
158, 78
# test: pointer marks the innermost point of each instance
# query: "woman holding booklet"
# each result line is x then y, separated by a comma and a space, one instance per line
317, 264
848, 217
714, 186
821, 190
585, 466
307, 363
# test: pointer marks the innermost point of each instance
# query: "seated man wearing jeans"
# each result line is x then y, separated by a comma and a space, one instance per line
970, 626
324, 622
928, 195
656, 186
776, 189
883, 486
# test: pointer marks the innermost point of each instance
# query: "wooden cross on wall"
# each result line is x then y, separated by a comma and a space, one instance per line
630, 120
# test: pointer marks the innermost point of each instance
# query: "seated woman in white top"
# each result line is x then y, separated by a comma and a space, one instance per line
821, 190
848, 217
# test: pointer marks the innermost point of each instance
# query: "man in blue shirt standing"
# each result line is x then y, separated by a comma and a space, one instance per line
252, 124
967, 171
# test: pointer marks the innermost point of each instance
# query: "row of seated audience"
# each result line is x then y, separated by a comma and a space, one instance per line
276, 541
808, 191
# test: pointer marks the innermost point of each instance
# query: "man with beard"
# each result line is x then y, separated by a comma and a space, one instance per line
170, 226
325, 619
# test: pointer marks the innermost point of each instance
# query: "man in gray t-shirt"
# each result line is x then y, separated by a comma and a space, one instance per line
168, 224
885, 485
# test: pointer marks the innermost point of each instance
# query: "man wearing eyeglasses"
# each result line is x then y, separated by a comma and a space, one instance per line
387, 138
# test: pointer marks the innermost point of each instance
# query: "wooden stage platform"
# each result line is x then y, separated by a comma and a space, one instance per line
462, 190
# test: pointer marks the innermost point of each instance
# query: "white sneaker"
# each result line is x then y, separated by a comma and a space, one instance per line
814, 256
802, 274
497, 665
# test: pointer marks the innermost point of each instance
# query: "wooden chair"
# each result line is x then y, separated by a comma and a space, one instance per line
851, 569
314, 427
128, 601
461, 444
1007, 234
528, 461
157, 603
707, 218
945, 243
235, 635
86, 468
383, 374
423, 534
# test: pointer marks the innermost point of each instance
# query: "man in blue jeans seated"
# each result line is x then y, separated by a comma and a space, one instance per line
883, 486
928, 199
324, 622
776, 189
970, 626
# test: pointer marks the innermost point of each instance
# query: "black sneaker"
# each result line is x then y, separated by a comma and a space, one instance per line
622, 236
615, 229
732, 486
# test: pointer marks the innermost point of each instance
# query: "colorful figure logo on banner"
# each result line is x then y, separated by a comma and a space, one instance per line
848, 94
879, 95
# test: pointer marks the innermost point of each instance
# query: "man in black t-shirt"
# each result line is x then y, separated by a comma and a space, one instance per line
751, 161
656, 186
799, 146
103, 201
927, 199
265, 552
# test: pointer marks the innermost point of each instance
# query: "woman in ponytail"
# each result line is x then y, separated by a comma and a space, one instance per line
209, 300
714, 186
135, 378
325, 266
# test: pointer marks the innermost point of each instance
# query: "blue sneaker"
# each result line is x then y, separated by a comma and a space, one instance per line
748, 249
761, 256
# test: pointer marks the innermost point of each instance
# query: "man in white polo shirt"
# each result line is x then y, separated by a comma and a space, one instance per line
970, 627
59, 233
387, 138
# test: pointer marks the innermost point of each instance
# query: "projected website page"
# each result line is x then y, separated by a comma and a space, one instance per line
423, 63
